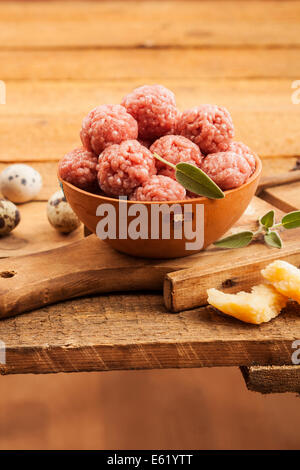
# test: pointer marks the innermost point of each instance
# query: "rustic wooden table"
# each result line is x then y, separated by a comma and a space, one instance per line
59, 59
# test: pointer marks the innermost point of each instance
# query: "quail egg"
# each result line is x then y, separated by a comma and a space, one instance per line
20, 183
60, 214
9, 216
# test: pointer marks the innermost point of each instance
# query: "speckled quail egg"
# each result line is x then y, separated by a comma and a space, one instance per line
60, 214
9, 216
20, 183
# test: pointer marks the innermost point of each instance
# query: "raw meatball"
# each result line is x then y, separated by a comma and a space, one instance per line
79, 167
159, 188
244, 151
227, 169
124, 167
154, 108
106, 125
175, 149
209, 126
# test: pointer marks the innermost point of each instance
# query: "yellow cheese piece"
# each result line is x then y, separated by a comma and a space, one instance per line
261, 305
284, 277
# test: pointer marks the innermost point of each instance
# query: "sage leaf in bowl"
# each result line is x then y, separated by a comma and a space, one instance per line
194, 179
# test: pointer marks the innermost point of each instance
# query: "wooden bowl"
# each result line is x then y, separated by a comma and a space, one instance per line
219, 216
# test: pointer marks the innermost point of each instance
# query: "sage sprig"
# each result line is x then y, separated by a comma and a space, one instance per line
193, 179
267, 231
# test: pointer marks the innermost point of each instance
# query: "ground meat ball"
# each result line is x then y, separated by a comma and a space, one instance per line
106, 125
244, 151
124, 167
159, 188
154, 108
227, 169
79, 167
209, 126
175, 149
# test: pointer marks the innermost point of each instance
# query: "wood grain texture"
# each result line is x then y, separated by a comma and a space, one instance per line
89, 266
286, 197
115, 332
187, 288
272, 181
60, 61
52, 112
34, 233
149, 64
148, 24
272, 379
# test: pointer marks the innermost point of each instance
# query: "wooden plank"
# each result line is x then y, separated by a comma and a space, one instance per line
91, 267
151, 23
48, 115
285, 197
187, 288
34, 233
272, 379
117, 332
272, 181
149, 64
276, 166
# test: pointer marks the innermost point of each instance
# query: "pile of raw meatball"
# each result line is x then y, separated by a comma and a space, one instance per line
118, 142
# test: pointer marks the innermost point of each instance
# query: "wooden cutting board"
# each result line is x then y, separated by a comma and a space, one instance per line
90, 266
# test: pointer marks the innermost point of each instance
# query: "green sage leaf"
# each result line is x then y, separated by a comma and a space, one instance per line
195, 180
238, 240
267, 220
273, 239
161, 159
291, 220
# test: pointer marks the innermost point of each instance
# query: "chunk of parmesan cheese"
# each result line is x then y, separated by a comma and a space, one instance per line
259, 306
284, 277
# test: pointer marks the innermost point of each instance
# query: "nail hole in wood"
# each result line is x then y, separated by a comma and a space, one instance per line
7, 274
229, 283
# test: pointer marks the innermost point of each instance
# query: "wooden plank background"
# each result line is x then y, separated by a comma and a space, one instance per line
60, 59
244, 57
135, 331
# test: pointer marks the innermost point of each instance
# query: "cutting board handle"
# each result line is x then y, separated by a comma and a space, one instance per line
81, 268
